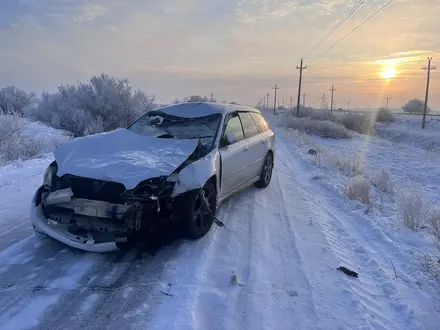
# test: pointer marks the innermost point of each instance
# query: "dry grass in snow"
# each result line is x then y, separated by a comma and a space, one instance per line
350, 165
359, 188
382, 180
302, 138
432, 266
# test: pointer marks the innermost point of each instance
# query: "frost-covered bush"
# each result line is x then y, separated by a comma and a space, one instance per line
415, 106
14, 101
382, 180
359, 188
22, 139
321, 115
383, 115
323, 128
435, 225
432, 266
414, 208
14, 142
350, 165
102, 104
358, 122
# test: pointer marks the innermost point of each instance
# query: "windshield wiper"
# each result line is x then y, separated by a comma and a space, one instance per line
200, 137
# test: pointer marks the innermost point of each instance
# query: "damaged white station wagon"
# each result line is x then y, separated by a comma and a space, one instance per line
172, 166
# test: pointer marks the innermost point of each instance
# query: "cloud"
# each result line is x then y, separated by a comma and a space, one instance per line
234, 48
90, 12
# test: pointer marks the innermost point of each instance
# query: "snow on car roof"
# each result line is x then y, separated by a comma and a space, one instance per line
201, 109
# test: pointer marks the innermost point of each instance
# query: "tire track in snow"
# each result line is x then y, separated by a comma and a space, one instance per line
335, 305
82, 290
376, 285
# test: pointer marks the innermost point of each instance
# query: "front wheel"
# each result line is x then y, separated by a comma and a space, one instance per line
266, 172
195, 219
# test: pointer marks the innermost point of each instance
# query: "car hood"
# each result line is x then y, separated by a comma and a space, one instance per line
122, 156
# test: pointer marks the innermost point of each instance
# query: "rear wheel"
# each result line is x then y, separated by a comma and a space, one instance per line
266, 172
193, 215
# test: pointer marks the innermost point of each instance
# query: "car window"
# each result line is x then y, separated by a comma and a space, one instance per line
249, 126
234, 126
260, 121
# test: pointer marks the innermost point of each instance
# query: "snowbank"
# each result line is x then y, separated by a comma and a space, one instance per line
22, 139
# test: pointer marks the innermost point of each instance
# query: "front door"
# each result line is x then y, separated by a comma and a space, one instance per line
233, 156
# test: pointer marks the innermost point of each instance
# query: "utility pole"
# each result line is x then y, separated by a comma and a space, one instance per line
301, 68
275, 97
267, 100
429, 68
291, 102
323, 101
304, 100
387, 98
348, 106
331, 102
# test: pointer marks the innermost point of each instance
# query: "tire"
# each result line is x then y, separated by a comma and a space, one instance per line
195, 222
266, 172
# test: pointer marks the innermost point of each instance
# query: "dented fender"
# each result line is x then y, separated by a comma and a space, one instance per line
195, 175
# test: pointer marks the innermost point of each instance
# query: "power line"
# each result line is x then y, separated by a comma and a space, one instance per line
334, 28
357, 27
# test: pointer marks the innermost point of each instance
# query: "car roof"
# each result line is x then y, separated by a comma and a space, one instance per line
201, 109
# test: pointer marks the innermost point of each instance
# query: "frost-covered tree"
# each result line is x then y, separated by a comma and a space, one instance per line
14, 101
101, 104
198, 98
415, 106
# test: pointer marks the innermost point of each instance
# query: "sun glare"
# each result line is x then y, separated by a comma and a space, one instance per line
388, 73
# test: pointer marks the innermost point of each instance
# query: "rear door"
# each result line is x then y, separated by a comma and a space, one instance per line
257, 147
233, 156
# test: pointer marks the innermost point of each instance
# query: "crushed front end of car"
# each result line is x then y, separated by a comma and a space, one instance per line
101, 216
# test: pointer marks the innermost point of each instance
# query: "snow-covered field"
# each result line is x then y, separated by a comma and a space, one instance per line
406, 129
272, 267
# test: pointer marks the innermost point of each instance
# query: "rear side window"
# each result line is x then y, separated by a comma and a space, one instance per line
234, 126
260, 121
249, 126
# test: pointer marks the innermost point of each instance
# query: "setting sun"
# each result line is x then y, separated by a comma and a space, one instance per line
388, 73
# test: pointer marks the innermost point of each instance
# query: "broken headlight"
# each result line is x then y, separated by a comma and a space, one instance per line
50, 174
151, 189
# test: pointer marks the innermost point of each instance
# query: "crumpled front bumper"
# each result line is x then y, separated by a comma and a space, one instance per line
59, 233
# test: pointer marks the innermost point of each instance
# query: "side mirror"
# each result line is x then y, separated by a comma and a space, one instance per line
231, 138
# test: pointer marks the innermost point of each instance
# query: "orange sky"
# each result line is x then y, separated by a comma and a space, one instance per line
236, 49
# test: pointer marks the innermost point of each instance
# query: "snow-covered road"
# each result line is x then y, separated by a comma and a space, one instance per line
283, 243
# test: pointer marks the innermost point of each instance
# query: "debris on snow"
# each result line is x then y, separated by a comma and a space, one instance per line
348, 271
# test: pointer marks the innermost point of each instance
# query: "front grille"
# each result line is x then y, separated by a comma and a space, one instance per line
91, 188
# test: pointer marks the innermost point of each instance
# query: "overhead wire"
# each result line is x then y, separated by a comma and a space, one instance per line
335, 27
353, 30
